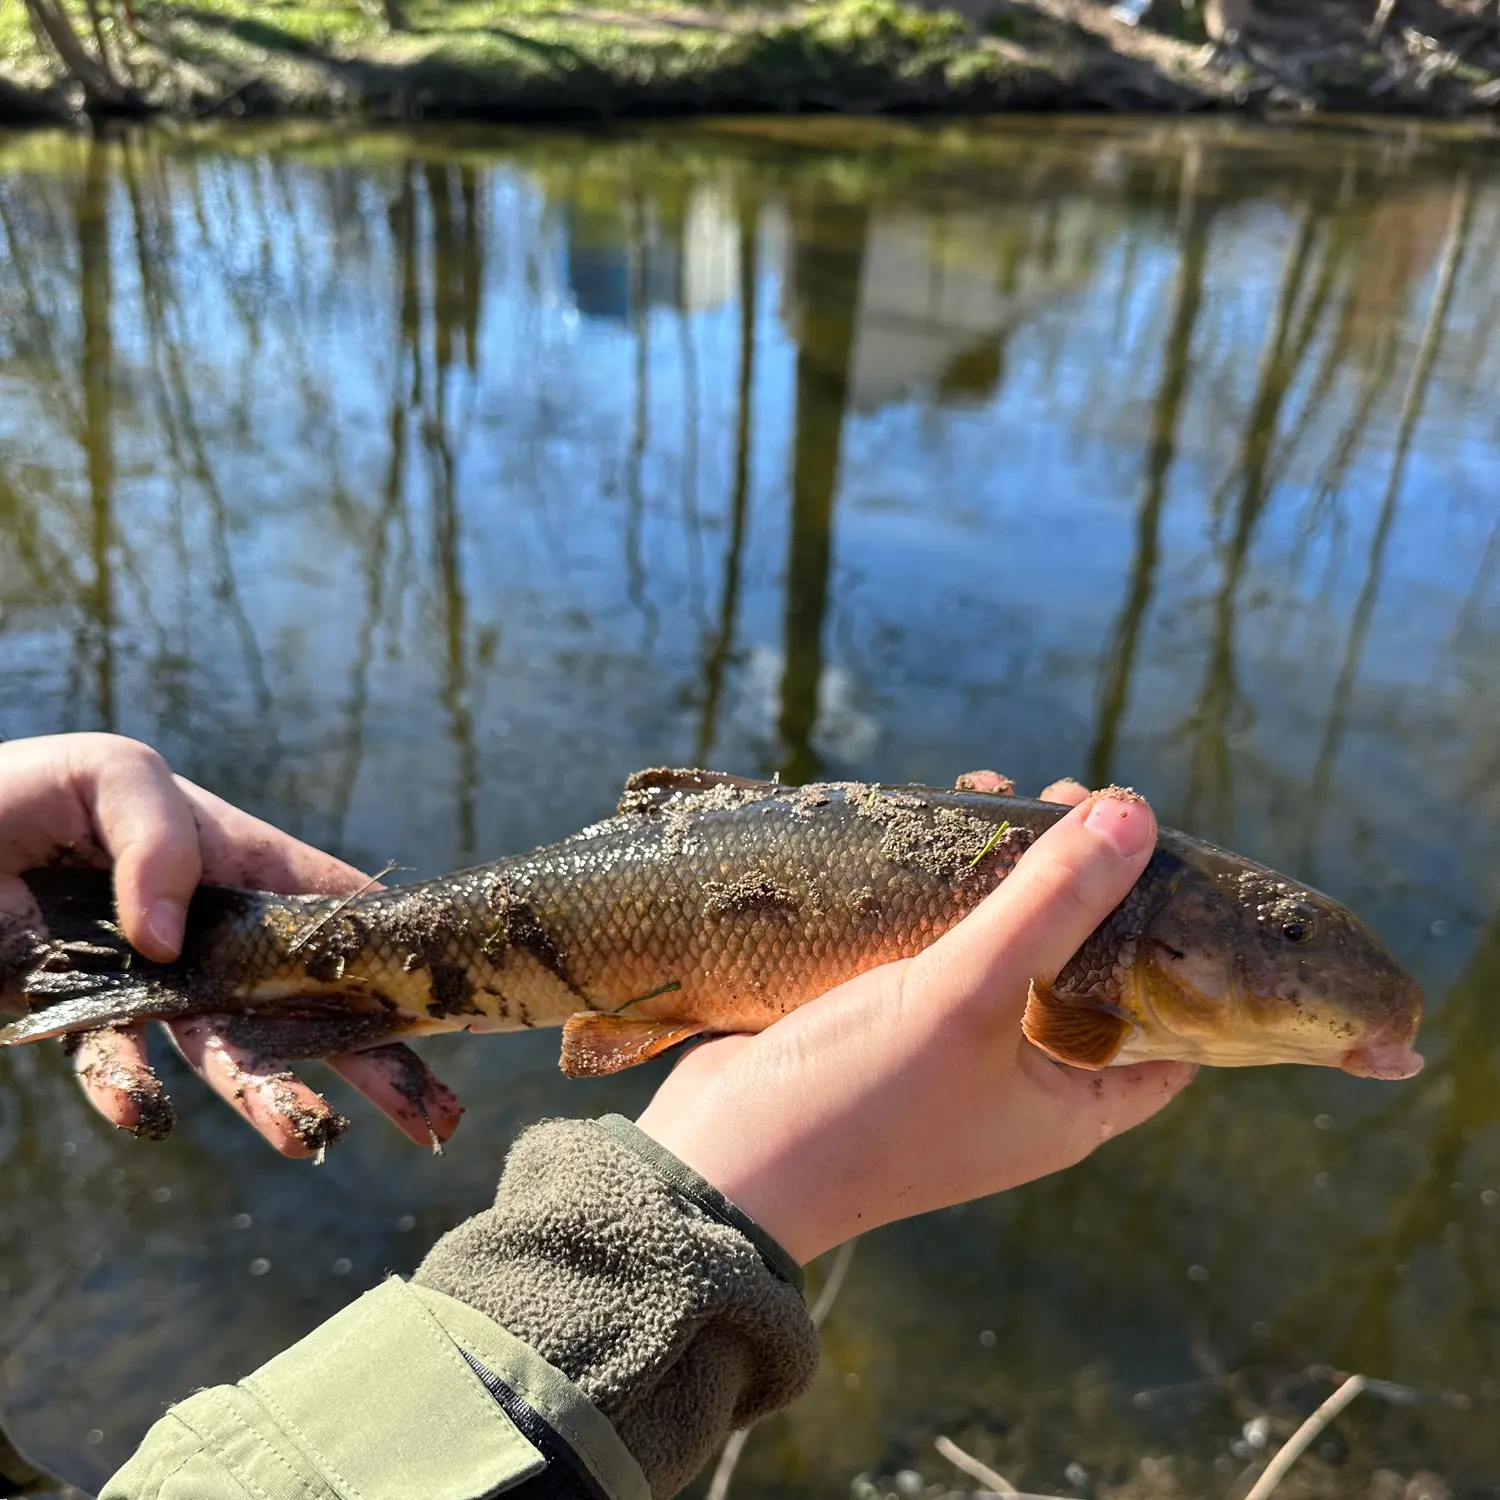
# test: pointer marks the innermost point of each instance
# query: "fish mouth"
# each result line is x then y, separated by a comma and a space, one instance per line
1388, 1052
1388, 1060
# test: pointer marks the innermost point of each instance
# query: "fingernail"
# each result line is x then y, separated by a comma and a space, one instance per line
1123, 818
164, 925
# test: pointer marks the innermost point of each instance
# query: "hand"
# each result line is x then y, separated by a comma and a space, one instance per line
911, 1087
101, 800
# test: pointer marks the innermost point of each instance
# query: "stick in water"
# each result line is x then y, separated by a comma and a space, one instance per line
973, 1468
1294, 1447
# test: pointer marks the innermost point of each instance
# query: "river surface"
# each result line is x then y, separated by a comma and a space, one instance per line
411, 490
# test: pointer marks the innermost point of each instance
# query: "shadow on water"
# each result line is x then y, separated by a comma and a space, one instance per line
412, 490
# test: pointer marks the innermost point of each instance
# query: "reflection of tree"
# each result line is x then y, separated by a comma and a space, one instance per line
721, 645
635, 459
1218, 702
97, 377
437, 296
1161, 448
1412, 404
181, 429
455, 262
828, 253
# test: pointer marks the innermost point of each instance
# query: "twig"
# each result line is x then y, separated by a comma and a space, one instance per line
1291, 1450
831, 1287
1382, 16
973, 1468
303, 938
729, 1457
718, 1488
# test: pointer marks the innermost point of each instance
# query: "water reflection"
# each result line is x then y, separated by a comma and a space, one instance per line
414, 490
826, 276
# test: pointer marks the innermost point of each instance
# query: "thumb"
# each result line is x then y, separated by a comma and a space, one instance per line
1062, 888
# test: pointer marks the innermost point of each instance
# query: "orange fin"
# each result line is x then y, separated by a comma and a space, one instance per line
1078, 1033
594, 1045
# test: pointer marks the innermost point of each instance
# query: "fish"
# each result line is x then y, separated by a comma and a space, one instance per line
712, 903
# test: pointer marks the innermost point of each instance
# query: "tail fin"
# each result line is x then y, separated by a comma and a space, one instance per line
76, 1000
83, 973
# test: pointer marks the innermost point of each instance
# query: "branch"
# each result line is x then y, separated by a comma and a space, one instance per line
1301, 1439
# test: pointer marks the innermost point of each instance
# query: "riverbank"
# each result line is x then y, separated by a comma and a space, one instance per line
550, 59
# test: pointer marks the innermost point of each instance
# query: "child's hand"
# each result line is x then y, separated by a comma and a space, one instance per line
911, 1087
105, 801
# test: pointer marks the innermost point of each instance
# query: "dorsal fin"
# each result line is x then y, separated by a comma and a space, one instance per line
1080, 1033
594, 1045
646, 790
682, 779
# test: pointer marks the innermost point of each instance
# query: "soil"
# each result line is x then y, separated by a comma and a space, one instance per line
944, 841
749, 893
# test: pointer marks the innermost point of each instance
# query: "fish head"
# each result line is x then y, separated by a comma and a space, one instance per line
1240, 966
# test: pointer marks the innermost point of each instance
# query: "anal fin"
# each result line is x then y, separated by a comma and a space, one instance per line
1080, 1033
595, 1045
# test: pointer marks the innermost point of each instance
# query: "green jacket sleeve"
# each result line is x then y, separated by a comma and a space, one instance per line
593, 1336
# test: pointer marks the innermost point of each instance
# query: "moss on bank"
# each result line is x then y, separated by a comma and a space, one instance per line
537, 59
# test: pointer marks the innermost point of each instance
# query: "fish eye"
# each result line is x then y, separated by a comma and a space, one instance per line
1298, 928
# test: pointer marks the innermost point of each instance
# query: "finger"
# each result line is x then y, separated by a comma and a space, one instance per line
146, 826
1065, 790
97, 798
118, 1081
297, 1121
986, 781
399, 1084
241, 850
1036, 919
21, 928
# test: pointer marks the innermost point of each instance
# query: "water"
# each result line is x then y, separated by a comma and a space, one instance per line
411, 490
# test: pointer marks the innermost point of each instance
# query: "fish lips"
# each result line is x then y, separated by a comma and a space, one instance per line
1389, 1053
1388, 1060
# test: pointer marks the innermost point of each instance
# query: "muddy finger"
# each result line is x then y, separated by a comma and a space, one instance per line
399, 1084
117, 1080
1066, 791
295, 1119
986, 781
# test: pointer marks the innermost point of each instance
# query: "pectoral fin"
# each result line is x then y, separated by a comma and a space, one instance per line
1080, 1033
594, 1045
